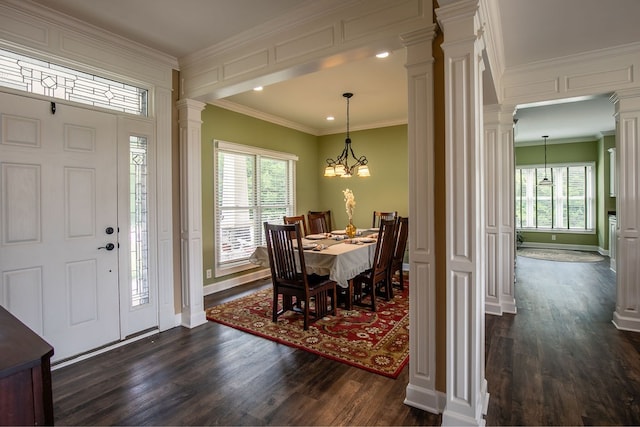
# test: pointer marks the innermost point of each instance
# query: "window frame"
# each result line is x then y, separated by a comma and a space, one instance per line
224, 269
590, 196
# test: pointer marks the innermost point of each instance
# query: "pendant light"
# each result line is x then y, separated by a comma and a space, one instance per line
340, 165
545, 180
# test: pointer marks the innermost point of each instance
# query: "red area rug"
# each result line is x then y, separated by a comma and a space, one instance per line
377, 342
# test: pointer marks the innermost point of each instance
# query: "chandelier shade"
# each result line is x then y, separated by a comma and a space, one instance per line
347, 163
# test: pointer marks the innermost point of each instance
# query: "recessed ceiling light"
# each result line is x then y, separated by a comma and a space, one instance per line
330, 118
382, 55
258, 88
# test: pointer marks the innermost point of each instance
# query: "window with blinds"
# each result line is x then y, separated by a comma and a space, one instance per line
568, 205
252, 186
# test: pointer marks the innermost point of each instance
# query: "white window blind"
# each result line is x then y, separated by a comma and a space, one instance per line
568, 204
252, 186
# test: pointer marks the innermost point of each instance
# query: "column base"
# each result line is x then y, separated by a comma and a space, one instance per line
191, 320
625, 323
426, 399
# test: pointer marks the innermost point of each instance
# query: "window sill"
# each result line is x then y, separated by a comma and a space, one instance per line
555, 231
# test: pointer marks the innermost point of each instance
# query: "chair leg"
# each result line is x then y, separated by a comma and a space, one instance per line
275, 306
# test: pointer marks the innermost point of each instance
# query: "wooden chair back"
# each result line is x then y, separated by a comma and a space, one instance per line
284, 254
402, 234
290, 279
318, 223
297, 219
377, 276
379, 216
327, 216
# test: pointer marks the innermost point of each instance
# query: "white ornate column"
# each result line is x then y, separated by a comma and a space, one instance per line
421, 390
627, 106
191, 212
499, 209
467, 396
164, 206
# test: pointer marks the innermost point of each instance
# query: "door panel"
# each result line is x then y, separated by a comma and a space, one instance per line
59, 194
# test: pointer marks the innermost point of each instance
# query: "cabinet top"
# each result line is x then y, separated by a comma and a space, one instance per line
20, 347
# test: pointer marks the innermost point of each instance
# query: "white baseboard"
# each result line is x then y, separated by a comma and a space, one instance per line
236, 281
585, 248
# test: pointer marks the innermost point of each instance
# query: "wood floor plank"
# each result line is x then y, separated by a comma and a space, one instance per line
558, 361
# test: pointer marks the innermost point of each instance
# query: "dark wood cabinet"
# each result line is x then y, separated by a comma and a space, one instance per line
25, 374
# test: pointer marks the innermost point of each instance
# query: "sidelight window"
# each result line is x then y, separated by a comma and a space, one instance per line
139, 220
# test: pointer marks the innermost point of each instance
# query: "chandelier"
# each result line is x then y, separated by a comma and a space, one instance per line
545, 180
343, 167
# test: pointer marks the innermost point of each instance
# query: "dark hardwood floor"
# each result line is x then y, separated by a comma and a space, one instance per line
559, 361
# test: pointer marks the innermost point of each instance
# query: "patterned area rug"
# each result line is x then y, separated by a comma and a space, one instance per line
560, 255
377, 342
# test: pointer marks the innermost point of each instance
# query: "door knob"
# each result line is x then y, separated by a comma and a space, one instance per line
108, 246
109, 230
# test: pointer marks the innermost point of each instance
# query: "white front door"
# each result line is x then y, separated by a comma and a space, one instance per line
58, 207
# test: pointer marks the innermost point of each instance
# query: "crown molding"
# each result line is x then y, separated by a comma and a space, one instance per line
251, 112
68, 23
599, 55
256, 114
573, 140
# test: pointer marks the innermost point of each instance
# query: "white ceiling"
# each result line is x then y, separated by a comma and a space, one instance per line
532, 30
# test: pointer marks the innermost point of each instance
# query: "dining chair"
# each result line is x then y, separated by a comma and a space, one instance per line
297, 219
378, 216
397, 260
318, 223
290, 279
327, 215
373, 279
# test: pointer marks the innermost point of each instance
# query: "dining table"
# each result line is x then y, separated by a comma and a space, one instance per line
333, 255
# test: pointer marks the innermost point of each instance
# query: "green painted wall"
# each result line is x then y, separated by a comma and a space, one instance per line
387, 189
385, 148
588, 151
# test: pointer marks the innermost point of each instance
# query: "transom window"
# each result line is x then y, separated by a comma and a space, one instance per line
251, 186
31, 75
567, 205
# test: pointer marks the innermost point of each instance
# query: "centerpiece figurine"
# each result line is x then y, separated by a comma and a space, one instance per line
350, 203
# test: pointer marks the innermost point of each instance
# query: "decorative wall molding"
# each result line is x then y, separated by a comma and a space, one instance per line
599, 71
34, 30
325, 37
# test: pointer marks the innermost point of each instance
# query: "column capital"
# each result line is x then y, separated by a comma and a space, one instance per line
628, 96
426, 34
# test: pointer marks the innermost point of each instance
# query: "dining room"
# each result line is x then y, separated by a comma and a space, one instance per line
386, 189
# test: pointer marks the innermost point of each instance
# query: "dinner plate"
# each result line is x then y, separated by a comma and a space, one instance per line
315, 236
374, 229
364, 239
309, 246
338, 232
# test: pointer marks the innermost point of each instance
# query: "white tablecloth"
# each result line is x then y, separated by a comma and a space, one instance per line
341, 261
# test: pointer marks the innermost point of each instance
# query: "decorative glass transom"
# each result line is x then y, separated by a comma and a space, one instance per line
44, 78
